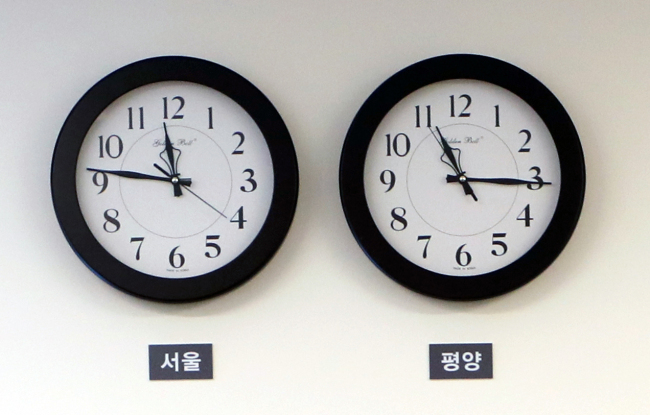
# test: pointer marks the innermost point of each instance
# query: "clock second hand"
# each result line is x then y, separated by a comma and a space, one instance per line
203, 200
189, 190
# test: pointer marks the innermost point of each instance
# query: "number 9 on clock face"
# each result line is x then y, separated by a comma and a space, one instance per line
174, 173
472, 176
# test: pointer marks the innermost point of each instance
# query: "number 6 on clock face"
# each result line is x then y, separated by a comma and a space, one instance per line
174, 179
472, 176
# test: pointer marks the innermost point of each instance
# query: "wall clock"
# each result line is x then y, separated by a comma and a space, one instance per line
174, 179
462, 177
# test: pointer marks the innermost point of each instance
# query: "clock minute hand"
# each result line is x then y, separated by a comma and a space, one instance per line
447, 151
169, 149
455, 165
137, 175
495, 180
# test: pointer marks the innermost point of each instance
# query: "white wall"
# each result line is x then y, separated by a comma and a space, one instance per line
320, 330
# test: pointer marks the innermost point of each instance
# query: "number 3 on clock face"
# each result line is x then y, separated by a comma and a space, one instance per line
472, 176
174, 179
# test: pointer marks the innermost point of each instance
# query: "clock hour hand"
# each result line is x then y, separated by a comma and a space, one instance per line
495, 180
453, 162
137, 175
173, 161
163, 171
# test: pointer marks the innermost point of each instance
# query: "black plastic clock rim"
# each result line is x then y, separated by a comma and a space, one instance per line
198, 71
519, 82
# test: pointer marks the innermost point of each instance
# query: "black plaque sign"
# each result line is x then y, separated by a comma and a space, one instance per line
460, 361
180, 361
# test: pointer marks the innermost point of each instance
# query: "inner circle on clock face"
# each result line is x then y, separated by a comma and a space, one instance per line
444, 206
199, 158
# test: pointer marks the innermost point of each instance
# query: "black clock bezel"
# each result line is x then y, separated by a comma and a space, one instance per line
198, 71
517, 81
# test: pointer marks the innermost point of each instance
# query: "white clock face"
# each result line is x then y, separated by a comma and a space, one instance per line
462, 131
174, 179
